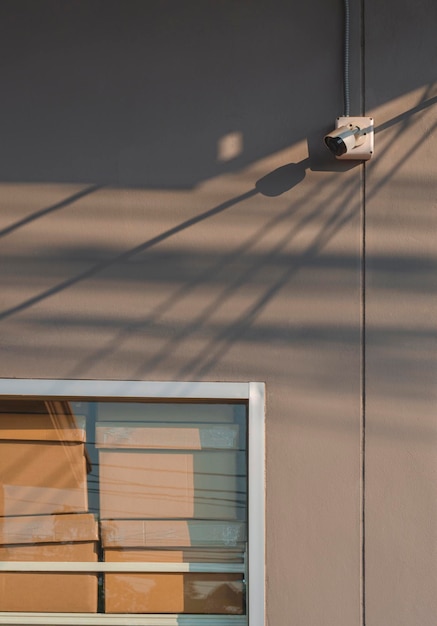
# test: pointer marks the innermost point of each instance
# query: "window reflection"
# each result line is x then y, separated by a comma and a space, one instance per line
124, 482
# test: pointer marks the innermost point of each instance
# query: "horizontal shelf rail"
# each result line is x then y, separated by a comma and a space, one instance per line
72, 566
122, 619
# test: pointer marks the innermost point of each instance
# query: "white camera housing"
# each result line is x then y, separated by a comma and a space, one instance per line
352, 139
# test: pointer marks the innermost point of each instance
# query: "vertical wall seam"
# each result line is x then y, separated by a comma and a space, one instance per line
363, 397
363, 333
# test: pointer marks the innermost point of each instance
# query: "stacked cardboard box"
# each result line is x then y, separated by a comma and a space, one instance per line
170, 493
43, 464
151, 471
71, 537
179, 485
158, 541
43, 509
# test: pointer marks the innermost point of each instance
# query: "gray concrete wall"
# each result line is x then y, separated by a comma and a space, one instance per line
168, 212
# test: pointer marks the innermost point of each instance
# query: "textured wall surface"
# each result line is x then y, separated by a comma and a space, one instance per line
401, 313
168, 212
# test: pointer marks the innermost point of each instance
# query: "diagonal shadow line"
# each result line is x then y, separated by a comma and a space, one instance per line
288, 236
183, 291
406, 114
265, 186
217, 347
410, 151
98, 267
215, 305
126, 255
184, 333
404, 119
50, 209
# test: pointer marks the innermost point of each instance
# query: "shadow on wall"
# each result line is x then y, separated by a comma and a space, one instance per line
160, 94
229, 272
273, 184
167, 95
149, 263
164, 94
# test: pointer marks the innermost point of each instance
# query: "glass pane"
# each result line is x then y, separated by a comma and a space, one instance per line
124, 482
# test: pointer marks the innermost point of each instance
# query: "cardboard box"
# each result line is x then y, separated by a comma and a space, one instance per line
174, 534
215, 593
43, 464
137, 483
155, 436
48, 538
42, 427
144, 474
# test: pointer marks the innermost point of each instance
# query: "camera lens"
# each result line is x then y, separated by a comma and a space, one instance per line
336, 145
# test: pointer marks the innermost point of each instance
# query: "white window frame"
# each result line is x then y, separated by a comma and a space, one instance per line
254, 394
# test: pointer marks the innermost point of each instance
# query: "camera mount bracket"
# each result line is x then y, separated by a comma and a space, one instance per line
363, 130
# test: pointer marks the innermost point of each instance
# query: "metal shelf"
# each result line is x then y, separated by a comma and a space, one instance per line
131, 619
64, 566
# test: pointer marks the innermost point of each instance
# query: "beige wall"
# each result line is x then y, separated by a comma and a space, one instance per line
401, 434
132, 250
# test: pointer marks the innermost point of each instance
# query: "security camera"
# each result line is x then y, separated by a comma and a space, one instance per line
352, 138
343, 139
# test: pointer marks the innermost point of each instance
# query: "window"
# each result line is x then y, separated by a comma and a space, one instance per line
131, 502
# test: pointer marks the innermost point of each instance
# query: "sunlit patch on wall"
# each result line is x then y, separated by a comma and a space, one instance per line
229, 146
